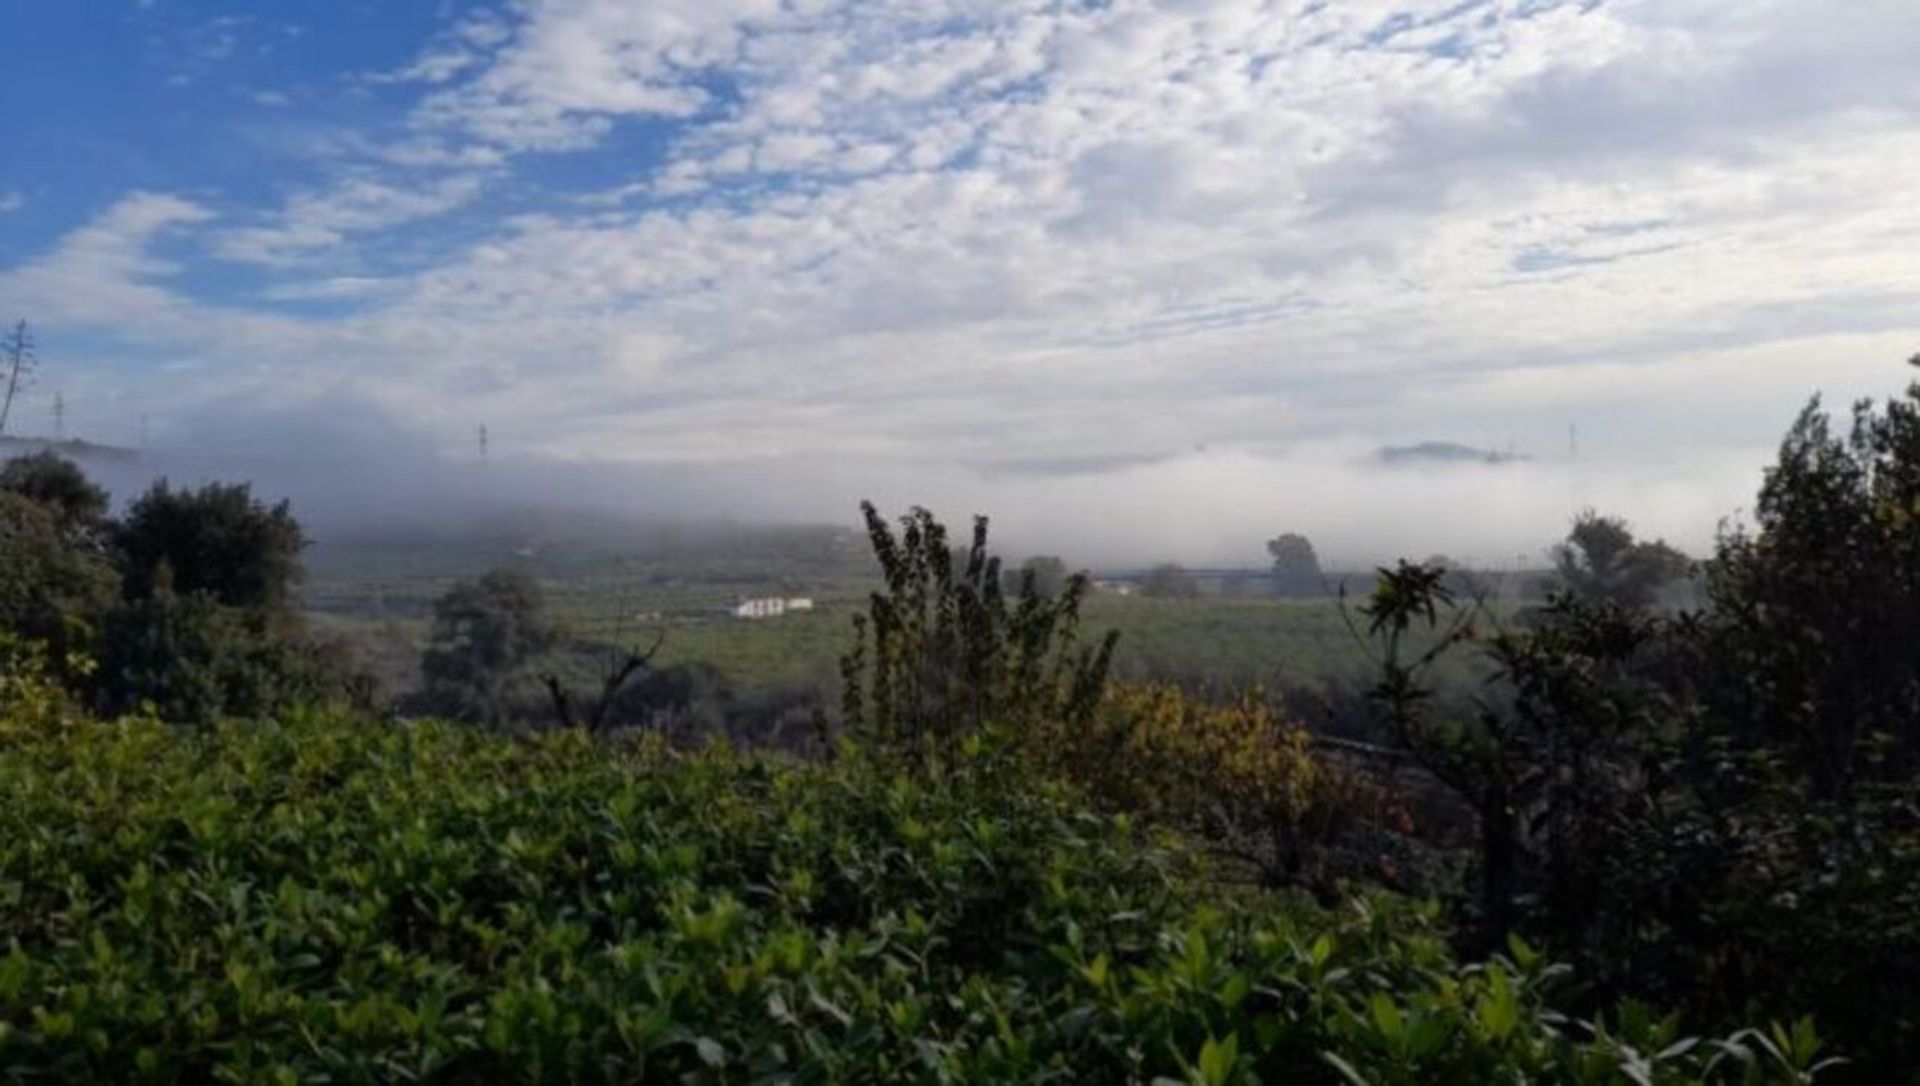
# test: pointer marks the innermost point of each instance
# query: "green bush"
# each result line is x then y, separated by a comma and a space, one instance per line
191, 659
328, 900
943, 651
54, 587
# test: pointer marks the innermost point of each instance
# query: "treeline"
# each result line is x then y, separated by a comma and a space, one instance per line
187, 608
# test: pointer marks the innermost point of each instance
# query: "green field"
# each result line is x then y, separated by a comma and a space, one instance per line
601, 594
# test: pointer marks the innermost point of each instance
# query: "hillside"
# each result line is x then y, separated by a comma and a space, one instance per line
75, 449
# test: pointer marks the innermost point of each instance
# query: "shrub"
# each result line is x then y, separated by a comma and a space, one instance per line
58, 485
53, 588
32, 700
942, 653
188, 659
328, 900
1237, 776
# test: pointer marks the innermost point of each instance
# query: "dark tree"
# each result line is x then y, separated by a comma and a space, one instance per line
686, 700
61, 486
1602, 561
1712, 809
1296, 568
191, 660
218, 541
1048, 572
485, 633
1817, 609
1169, 581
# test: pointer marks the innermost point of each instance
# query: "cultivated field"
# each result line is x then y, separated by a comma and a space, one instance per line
683, 588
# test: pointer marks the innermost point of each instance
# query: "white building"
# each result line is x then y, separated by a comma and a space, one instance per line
772, 606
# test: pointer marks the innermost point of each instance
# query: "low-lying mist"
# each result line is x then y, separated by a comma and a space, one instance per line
354, 476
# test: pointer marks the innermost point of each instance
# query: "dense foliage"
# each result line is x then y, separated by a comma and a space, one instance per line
185, 605
1238, 776
1718, 808
54, 584
58, 486
216, 541
326, 900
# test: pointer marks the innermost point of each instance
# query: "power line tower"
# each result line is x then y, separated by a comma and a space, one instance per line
17, 355
483, 443
59, 416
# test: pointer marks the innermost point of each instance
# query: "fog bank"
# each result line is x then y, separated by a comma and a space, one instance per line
353, 475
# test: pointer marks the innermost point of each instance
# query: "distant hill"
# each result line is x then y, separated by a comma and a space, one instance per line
1443, 452
71, 448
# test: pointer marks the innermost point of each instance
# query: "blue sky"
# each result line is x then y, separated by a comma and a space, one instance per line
1202, 251
190, 97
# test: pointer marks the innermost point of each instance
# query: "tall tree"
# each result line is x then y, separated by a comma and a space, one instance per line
1817, 610
1601, 561
1296, 568
218, 540
485, 632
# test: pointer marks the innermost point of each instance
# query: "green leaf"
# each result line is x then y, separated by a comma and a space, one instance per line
1218, 1059
1499, 1010
1386, 1016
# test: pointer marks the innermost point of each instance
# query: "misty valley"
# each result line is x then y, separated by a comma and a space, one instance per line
595, 799
951, 542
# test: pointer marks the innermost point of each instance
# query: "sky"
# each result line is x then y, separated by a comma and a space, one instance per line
1148, 278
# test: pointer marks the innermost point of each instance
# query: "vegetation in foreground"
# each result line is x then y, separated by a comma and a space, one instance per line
324, 899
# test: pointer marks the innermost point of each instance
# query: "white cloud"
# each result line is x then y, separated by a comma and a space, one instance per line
322, 219
105, 266
572, 65
330, 288
1022, 233
11, 201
